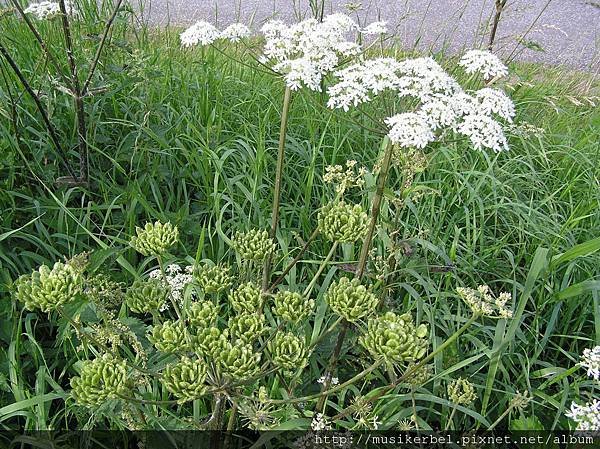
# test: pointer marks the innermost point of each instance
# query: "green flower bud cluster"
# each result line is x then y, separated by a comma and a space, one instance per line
342, 222
154, 239
288, 352
461, 392
253, 245
46, 289
351, 300
170, 337
239, 361
214, 279
419, 375
292, 306
202, 314
100, 379
185, 379
395, 338
247, 327
210, 342
246, 298
147, 296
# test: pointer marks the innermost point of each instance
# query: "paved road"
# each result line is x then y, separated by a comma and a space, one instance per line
566, 32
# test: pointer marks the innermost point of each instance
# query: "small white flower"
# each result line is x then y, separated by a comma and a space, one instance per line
46, 10
375, 28
494, 101
319, 422
409, 130
591, 361
235, 32
200, 33
586, 416
484, 62
484, 132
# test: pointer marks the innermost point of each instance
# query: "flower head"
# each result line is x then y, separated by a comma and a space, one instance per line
210, 341
375, 28
170, 337
214, 279
247, 327
202, 314
351, 300
100, 379
586, 416
591, 361
154, 239
288, 352
246, 298
483, 62
239, 361
147, 296
185, 379
47, 10
253, 245
292, 306
409, 130
461, 392
343, 222
48, 288
235, 32
200, 33
395, 338
483, 302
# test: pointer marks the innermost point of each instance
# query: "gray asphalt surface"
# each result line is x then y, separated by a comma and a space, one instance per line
564, 31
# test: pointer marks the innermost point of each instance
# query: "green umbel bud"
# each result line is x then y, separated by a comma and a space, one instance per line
147, 296
247, 327
419, 375
461, 392
170, 337
292, 306
342, 222
202, 314
100, 379
395, 338
46, 289
246, 298
351, 300
154, 239
239, 361
253, 245
210, 342
288, 352
214, 279
185, 379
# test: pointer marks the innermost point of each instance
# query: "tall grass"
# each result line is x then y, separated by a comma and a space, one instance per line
191, 137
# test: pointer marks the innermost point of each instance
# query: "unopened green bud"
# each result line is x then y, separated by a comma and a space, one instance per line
288, 352
351, 300
239, 361
170, 337
253, 245
147, 296
214, 279
343, 222
292, 306
100, 379
185, 379
247, 327
461, 392
154, 239
210, 342
46, 289
395, 338
246, 298
202, 314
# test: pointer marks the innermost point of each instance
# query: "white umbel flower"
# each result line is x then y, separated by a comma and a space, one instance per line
484, 62
200, 33
494, 101
235, 32
586, 416
484, 132
47, 10
591, 361
409, 130
375, 28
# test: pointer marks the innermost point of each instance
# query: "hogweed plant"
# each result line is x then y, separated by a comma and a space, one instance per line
222, 342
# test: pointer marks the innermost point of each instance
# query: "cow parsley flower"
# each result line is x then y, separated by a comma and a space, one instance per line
375, 28
320, 422
484, 132
409, 130
494, 101
586, 416
177, 278
200, 33
591, 361
484, 62
235, 32
46, 10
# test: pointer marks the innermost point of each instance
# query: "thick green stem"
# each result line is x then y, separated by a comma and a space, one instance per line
278, 180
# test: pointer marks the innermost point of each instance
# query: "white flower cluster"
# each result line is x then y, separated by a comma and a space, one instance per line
334, 380
483, 302
204, 33
587, 416
46, 10
375, 28
345, 178
483, 62
176, 278
319, 422
441, 103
